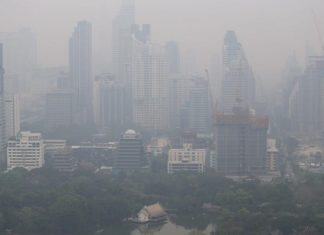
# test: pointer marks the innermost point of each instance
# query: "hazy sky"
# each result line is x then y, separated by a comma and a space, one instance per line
269, 30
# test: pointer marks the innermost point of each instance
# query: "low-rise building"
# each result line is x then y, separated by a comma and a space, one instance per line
26, 151
54, 145
187, 159
63, 161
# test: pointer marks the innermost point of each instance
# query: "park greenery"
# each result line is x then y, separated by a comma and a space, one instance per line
46, 202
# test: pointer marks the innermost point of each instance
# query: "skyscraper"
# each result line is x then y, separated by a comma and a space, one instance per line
20, 59
241, 143
198, 107
238, 80
59, 109
12, 110
150, 87
122, 33
306, 99
173, 57
111, 105
3, 136
81, 71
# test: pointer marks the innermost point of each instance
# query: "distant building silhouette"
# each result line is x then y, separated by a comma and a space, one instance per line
173, 57
111, 107
12, 110
150, 87
123, 30
59, 109
130, 153
238, 79
3, 136
81, 71
20, 59
306, 111
241, 143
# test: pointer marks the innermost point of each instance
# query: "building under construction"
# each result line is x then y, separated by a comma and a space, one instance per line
241, 143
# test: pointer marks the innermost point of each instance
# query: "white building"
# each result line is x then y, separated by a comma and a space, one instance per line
26, 151
272, 155
187, 159
12, 115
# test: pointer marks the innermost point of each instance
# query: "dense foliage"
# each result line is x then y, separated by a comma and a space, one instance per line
44, 201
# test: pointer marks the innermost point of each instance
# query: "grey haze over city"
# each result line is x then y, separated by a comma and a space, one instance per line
161, 117
270, 30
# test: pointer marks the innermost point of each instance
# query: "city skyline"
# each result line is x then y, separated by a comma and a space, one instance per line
266, 26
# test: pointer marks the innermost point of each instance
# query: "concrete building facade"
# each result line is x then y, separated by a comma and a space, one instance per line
26, 151
187, 160
241, 143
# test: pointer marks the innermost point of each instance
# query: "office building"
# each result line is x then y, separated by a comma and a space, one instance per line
172, 57
150, 87
110, 105
59, 109
20, 59
199, 108
12, 110
26, 151
3, 136
122, 33
178, 97
238, 80
54, 145
241, 143
187, 160
272, 155
130, 153
122, 46
81, 71
63, 161
306, 99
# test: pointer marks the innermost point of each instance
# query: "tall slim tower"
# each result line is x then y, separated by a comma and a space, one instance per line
123, 27
238, 80
20, 59
122, 33
81, 71
150, 87
3, 138
173, 56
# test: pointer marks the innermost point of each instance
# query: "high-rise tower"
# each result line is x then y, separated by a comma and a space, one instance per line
122, 33
238, 80
81, 71
123, 26
3, 138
